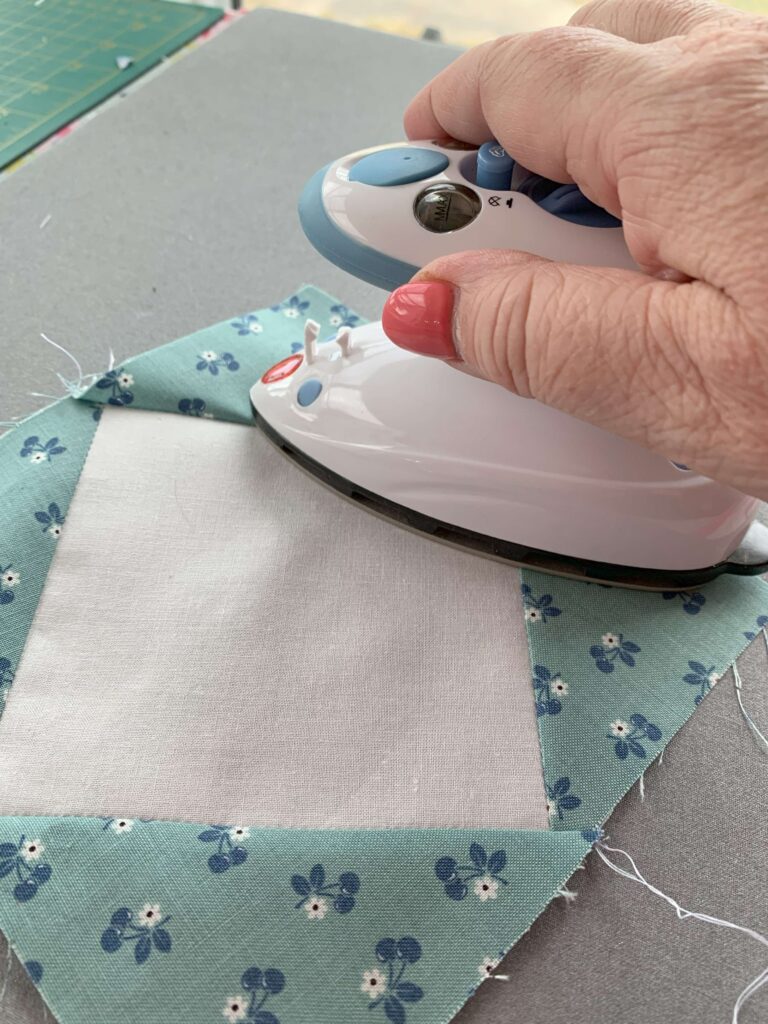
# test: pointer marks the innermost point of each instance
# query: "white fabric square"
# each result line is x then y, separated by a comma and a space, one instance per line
222, 638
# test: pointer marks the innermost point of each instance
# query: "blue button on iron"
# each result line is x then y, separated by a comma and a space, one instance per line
308, 391
398, 166
494, 167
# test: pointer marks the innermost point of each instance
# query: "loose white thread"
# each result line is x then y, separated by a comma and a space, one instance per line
750, 990
45, 221
682, 913
755, 730
83, 382
568, 894
72, 387
67, 353
641, 786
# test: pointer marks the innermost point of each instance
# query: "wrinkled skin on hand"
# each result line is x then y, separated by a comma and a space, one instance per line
658, 110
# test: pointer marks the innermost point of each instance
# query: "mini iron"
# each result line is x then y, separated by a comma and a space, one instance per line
459, 458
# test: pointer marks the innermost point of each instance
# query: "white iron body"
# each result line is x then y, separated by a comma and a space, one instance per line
465, 452
457, 457
359, 219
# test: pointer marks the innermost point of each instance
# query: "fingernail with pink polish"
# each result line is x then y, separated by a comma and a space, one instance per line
419, 318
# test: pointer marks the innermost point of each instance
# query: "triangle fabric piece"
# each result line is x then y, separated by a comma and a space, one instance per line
210, 373
151, 921
616, 673
40, 464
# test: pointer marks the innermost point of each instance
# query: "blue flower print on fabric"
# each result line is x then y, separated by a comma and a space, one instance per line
9, 580
316, 892
702, 678
692, 600
37, 451
6, 672
146, 929
549, 689
761, 623
258, 987
342, 316
52, 520
193, 407
248, 324
292, 308
211, 362
592, 835
388, 988
35, 970
484, 871
613, 647
24, 861
560, 799
538, 609
119, 383
229, 853
626, 736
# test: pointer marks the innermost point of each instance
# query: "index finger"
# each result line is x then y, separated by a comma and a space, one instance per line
554, 99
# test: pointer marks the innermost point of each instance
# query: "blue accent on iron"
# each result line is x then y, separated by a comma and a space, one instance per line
569, 203
331, 242
536, 187
398, 166
494, 167
308, 392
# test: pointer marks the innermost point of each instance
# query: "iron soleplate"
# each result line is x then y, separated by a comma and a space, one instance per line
519, 555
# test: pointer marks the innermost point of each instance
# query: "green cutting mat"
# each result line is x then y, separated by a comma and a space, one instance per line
57, 57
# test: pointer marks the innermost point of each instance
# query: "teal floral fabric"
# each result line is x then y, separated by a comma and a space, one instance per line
148, 922
617, 672
210, 373
40, 464
151, 922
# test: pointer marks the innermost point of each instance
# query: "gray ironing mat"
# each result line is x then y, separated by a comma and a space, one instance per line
175, 209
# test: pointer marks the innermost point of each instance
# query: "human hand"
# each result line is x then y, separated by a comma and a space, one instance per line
658, 110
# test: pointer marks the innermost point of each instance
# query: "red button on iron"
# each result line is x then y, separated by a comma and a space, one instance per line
283, 369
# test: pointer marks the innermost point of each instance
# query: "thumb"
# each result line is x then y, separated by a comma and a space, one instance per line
614, 347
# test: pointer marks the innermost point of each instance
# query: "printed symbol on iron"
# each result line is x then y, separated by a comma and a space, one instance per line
509, 202
494, 200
